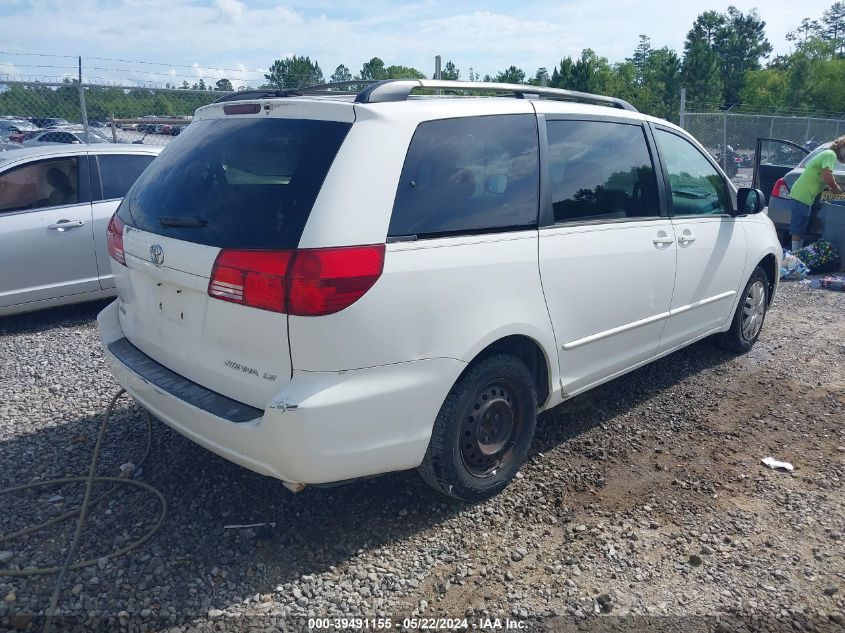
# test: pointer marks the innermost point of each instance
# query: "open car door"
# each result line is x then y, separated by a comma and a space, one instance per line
773, 158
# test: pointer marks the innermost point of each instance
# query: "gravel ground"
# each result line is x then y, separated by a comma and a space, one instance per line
645, 498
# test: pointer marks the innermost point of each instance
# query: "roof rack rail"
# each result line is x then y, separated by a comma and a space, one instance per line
328, 88
400, 89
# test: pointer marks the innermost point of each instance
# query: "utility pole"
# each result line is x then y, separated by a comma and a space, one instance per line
82, 105
683, 111
437, 74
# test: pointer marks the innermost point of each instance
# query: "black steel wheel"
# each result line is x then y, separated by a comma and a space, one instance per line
483, 431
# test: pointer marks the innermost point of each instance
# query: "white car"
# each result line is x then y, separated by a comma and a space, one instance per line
66, 136
55, 204
323, 287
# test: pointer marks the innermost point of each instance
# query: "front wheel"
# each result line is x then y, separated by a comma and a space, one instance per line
483, 431
749, 316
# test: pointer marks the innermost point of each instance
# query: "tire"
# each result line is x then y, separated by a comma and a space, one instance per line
744, 329
470, 456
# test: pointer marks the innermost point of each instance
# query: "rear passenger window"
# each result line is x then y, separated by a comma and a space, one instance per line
600, 170
118, 173
469, 175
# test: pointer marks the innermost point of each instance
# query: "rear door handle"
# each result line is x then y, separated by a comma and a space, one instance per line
657, 241
63, 225
686, 239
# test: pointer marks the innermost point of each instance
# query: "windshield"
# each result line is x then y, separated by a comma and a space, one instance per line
236, 183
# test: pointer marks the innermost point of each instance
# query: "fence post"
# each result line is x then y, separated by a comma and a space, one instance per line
682, 113
725, 143
82, 105
113, 130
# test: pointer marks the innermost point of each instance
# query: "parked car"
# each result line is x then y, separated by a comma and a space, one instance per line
55, 204
13, 130
780, 163
317, 322
47, 122
66, 135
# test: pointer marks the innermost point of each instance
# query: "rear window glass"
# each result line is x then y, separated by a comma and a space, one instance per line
469, 175
816, 152
236, 183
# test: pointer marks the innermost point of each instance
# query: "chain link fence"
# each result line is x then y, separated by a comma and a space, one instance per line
739, 133
121, 114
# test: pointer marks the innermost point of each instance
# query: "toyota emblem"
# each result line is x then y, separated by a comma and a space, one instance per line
156, 254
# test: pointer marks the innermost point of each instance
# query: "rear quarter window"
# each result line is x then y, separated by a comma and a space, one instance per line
469, 175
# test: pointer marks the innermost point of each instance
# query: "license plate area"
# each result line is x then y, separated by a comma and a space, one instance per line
829, 196
175, 303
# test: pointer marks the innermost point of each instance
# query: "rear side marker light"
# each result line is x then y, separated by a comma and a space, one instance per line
304, 282
780, 190
242, 108
114, 240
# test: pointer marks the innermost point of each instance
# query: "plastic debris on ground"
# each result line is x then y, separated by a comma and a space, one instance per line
775, 464
829, 282
819, 257
792, 267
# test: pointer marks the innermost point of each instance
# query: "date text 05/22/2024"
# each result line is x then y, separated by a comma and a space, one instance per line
420, 624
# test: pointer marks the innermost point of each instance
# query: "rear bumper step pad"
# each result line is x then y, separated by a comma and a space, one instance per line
179, 386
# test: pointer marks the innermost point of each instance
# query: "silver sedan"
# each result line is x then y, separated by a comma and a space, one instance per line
55, 204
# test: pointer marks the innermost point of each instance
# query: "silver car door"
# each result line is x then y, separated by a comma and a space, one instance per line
46, 227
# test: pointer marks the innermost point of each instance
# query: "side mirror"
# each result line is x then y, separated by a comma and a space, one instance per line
749, 201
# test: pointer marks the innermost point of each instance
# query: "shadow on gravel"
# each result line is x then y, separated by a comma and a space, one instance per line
617, 397
195, 562
64, 316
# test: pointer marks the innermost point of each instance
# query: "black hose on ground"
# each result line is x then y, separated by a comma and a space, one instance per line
82, 511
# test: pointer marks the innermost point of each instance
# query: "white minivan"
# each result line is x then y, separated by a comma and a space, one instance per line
323, 285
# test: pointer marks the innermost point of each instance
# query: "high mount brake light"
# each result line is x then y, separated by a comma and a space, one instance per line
114, 240
242, 108
780, 190
303, 282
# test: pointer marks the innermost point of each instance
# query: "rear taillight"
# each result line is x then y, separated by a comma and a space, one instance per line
114, 239
327, 280
253, 278
780, 190
305, 282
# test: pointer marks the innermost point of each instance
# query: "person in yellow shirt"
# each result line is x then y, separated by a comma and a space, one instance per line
817, 174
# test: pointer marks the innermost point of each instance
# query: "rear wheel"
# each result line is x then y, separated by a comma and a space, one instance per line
483, 431
749, 316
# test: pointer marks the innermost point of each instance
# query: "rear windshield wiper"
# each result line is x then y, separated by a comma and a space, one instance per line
182, 222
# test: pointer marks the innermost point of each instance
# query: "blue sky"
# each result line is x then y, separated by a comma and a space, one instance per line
193, 39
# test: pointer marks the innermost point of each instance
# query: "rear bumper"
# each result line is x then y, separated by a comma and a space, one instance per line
322, 427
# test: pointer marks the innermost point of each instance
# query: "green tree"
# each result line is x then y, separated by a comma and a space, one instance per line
541, 74
640, 57
373, 69
294, 72
765, 88
341, 73
512, 75
224, 85
403, 72
662, 79
450, 72
741, 45
701, 73
834, 26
